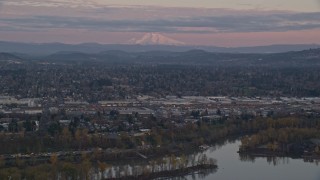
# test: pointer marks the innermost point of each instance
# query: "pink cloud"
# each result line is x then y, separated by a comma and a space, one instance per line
253, 38
220, 39
71, 36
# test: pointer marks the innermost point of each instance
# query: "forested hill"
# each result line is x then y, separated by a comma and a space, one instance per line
8, 56
50, 48
309, 57
296, 58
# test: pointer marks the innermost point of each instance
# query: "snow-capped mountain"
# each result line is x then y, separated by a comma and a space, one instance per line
156, 39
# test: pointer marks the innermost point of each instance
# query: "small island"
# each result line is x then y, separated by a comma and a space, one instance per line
284, 138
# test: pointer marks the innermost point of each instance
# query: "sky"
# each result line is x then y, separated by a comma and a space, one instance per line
226, 23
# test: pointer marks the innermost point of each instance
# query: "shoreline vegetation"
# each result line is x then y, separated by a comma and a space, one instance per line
85, 168
253, 153
276, 134
297, 138
201, 169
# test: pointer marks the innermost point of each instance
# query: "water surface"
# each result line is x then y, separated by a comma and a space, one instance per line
231, 166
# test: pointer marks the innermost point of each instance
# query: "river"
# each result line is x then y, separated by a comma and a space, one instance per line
231, 166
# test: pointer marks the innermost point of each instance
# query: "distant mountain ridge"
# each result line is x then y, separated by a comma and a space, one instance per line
303, 58
294, 58
50, 48
8, 56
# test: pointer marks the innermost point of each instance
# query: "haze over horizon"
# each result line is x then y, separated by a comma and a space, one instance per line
209, 22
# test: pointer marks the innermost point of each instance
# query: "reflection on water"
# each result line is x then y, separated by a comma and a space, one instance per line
203, 174
270, 159
196, 165
275, 160
245, 167
230, 166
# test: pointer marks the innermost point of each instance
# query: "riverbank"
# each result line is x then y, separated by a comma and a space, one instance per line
202, 168
233, 166
112, 156
308, 156
88, 168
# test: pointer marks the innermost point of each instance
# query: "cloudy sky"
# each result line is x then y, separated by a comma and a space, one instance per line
195, 22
